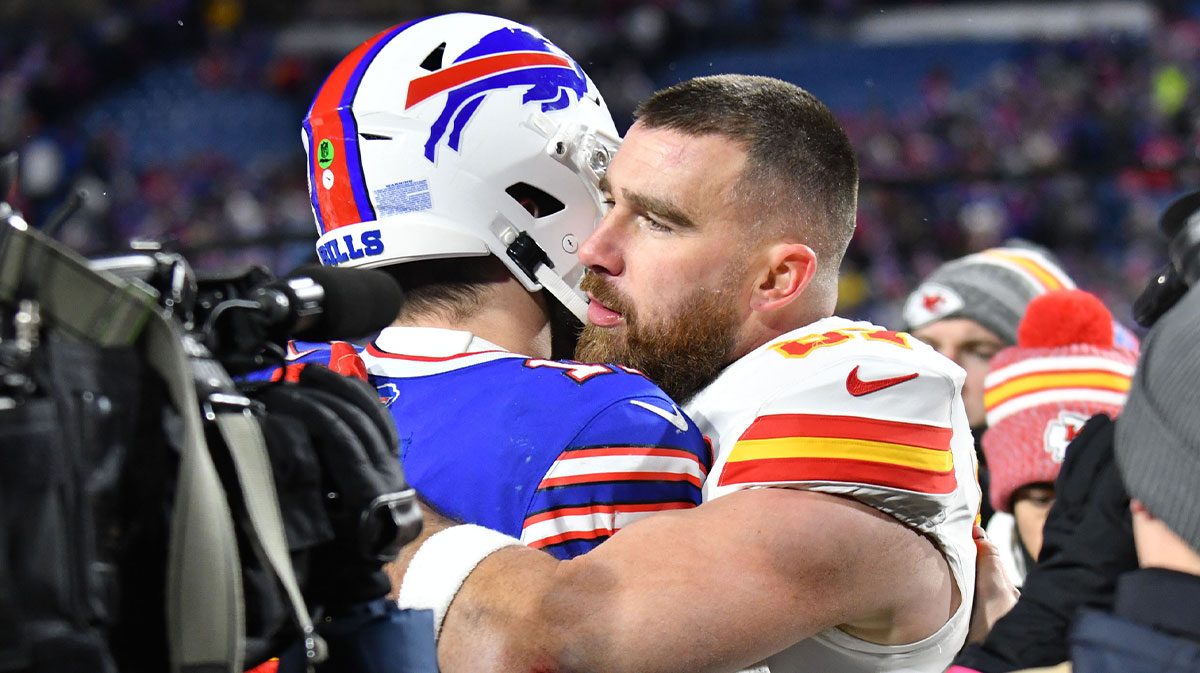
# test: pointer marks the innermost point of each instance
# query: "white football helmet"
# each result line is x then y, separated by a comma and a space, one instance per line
426, 139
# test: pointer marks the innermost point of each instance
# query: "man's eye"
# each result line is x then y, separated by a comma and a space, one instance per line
985, 353
653, 224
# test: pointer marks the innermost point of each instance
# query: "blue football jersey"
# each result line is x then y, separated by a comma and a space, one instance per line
556, 453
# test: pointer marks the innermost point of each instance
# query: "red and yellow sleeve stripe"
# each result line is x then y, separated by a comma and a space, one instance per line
806, 447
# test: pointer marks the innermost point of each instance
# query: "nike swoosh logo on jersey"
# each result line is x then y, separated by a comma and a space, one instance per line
677, 419
858, 387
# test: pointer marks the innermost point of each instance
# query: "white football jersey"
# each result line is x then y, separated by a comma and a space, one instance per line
853, 409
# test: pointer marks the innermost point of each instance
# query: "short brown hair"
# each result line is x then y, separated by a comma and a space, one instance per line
800, 164
451, 286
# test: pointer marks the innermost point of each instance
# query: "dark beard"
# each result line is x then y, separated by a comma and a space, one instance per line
682, 353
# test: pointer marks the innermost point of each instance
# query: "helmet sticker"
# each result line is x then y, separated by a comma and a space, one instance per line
502, 59
403, 197
325, 153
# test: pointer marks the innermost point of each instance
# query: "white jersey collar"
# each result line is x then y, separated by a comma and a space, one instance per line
434, 342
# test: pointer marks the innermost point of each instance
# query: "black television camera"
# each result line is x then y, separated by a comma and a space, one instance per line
1180, 223
154, 514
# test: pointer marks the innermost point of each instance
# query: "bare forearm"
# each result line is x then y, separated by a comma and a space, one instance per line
713, 590
523, 611
495, 622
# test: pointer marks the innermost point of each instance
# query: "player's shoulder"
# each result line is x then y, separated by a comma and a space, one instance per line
834, 341
567, 387
838, 367
610, 395
591, 379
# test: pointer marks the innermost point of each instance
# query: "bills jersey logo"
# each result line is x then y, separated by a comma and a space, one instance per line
502, 59
388, 393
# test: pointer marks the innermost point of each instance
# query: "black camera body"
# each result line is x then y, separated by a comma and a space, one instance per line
156, 514
1180, 223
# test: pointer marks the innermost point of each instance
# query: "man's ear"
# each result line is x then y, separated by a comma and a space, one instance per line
789, 269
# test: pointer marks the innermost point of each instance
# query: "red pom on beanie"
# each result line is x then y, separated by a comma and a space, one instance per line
1065, 317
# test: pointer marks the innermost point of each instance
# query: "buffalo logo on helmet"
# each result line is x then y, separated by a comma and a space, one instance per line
504, 58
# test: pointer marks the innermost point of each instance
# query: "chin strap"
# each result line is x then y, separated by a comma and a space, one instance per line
564, 293
536, 265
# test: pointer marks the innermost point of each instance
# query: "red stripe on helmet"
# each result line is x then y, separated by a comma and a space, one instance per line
338, 206
461, 73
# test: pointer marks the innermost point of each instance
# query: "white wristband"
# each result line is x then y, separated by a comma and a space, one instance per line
443, 563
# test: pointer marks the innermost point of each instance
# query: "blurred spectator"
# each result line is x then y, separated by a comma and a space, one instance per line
1039, 394
969, 309
1155, 623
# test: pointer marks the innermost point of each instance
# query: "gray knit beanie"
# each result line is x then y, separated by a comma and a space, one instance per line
991, 287
1158, 434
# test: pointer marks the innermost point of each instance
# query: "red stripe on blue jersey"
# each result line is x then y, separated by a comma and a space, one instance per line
566, 538
611, 477
596, 536
570, 514
589, 452
613, 508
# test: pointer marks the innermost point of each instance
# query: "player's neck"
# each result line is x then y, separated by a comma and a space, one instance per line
508, 316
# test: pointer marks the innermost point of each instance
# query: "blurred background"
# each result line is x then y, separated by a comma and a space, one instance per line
1070, 124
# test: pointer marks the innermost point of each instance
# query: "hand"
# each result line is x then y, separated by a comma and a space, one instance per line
365, 491
995, 593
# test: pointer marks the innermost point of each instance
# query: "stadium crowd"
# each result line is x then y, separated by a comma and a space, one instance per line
185, 129
1076, 146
